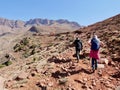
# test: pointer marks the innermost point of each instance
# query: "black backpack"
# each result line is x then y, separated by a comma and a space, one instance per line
78, 44
95, 44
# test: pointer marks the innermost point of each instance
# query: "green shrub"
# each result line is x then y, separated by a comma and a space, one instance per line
32, 52
7, 56
26, 54
51, 44
25, 41
7, 63
1, 65
33, 46
18, 47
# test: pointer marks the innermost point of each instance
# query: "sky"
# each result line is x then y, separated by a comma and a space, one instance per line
85, 12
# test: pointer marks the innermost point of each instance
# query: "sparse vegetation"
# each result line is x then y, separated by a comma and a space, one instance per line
33, 51
26, 53
25, 41
1, 65
51, 44
33, 46
21, 46
5, 64
27, 47
17, 48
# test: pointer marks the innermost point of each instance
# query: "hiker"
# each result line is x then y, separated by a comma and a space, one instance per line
78, 46
95, 44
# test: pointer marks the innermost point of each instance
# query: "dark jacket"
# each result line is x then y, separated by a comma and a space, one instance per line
78, 44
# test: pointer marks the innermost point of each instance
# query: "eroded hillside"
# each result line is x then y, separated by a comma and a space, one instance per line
47, 62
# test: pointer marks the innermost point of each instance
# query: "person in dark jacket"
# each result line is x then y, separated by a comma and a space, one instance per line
78, 47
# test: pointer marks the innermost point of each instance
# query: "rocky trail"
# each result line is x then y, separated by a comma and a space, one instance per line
60, 72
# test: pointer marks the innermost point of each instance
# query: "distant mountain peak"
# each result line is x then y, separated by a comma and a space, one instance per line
11, 23
41, 25
38, 21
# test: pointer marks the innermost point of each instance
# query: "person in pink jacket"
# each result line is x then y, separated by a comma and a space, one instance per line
95, 44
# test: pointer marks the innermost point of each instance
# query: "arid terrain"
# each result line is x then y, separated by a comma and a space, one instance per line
36, 61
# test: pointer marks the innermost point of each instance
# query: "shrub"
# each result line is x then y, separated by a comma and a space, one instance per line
7, 63
18, 47
25, 41
1, 65
51, 44
26, 54
33, 46
33, 51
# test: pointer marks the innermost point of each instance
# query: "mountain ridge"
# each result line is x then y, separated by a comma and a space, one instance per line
35, 21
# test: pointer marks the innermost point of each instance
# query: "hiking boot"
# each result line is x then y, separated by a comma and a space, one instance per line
93, 70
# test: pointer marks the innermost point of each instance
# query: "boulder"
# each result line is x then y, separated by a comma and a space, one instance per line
101, 65
21, 76
117, 88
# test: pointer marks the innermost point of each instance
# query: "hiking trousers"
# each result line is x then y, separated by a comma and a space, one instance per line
94, 63
78, 54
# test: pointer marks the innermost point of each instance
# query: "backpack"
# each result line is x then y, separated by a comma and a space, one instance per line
78, 44
95, 44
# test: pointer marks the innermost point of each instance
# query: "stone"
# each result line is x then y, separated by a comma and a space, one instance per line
69, 88
111, 63
84, 86
117, 88
85, 79
93, 83
110, 78
109, 85
106, 61
80, 81
100, 72
9, 84
33, 73
63, 80
88, 89
109, 89
23, 75
50, 84
40, 84
101, 66
91, 87
116, 68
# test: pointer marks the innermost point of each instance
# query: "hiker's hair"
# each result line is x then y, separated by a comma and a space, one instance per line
95, 36
77, 38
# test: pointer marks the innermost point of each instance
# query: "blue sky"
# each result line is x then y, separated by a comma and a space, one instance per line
85, 12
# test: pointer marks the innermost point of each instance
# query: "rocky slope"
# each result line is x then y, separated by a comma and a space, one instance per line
13, 30
47, 62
